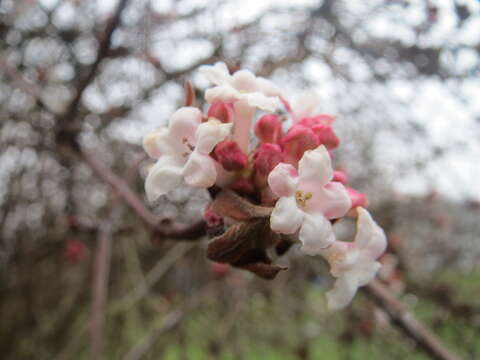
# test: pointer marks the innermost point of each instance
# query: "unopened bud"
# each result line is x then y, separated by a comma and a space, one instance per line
322, 119
357, 198
265, 159
340, 176
268, 129
243, 186
326, 136
75, 251
298, 140
221, 111
230, 156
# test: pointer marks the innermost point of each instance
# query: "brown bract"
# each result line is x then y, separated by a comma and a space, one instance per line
245, 244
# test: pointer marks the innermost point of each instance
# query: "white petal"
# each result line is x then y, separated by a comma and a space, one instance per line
316, 166
370, 238
332, 200
342, 293
267, 87
209, 134
163, 177
305, 105
244, 81
286, 218
184, 123
217, 74
261, 101
283, 180
366, 272
315, 234
225, 93
199, 171
158, 143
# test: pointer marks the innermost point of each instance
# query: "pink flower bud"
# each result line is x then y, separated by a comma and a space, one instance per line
220, 270
75, 251
357, 198
243, 186
212, 219
229, 154
340, 176
322, 119
266, 158
268, 128
221, 111
298, 140
326, 136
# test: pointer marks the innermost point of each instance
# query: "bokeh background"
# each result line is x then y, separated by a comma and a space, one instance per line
402, 78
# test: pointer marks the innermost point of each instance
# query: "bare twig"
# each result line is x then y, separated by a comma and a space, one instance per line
169, 322
103, 50
406, 321
160, 230
18, 80
121, 188
153, 276
101, 272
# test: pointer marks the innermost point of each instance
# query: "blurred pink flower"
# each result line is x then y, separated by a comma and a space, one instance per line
354, 264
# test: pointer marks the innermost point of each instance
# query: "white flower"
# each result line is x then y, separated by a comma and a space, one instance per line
305, 105
354, 263
242, 85
246, 92
308, 200
183, 151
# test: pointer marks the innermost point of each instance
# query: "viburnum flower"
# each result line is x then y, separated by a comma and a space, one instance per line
182, 150
308, 199
305, 106
354, 264
246, 92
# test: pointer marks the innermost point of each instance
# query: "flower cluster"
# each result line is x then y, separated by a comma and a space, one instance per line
288, 170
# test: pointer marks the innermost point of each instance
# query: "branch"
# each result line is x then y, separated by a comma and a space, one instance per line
406, 321
160, 230
101, 271
103, 50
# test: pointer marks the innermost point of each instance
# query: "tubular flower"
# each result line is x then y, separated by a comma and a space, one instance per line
245, 91
307, 200
354, 264
182, 150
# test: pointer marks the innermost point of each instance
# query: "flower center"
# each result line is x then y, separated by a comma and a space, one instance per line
302, 197
336, 258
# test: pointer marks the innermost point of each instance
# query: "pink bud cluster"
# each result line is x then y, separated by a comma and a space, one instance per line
248, 173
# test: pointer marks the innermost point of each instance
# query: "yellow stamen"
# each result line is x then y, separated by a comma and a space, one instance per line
302, 197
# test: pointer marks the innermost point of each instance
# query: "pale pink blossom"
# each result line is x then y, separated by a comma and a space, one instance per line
246, 92
182, 151
308, 200
354, 264
304, 107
